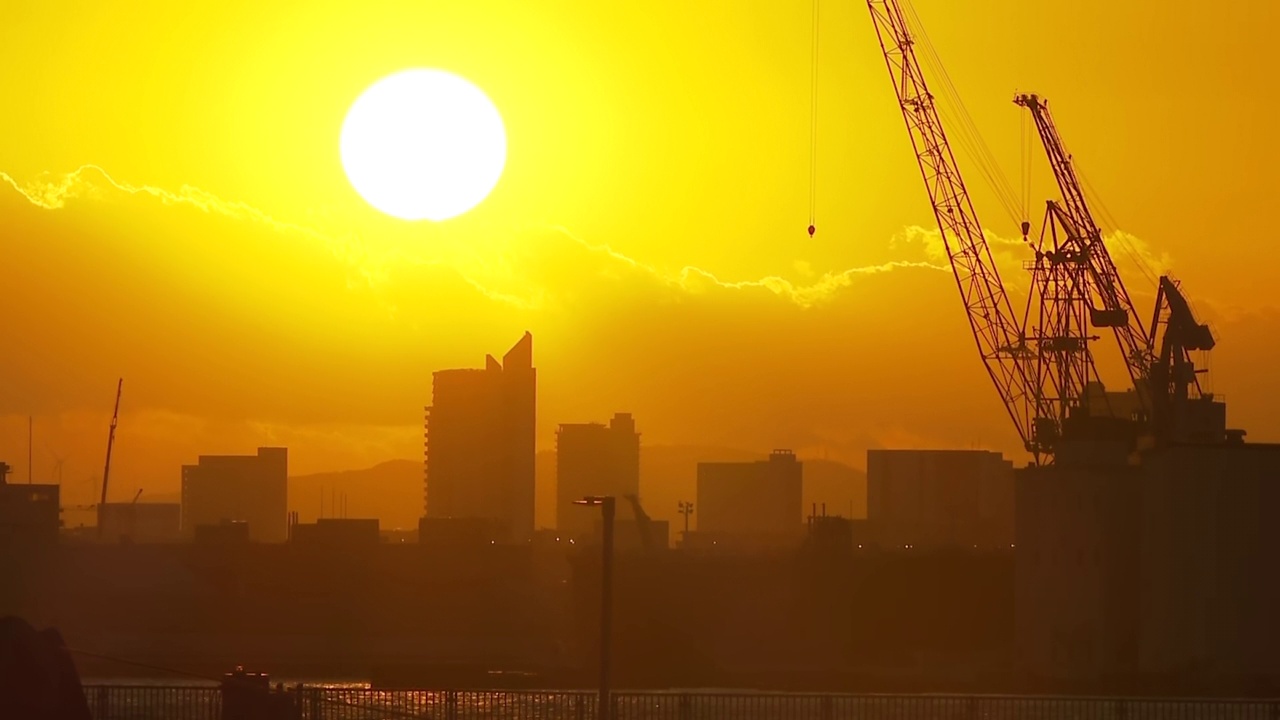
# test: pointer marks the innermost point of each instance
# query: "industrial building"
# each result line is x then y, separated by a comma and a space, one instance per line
252, 489
1160, 567
336, 534
751, 504
227, 533
140, 522
460, 533
939, 499
29, 513
1145, 545
480, 443
632, 535
594, 459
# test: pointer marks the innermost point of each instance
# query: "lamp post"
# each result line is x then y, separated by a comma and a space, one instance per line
606, 504
686, 509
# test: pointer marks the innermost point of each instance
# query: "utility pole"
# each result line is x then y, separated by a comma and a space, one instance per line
30, 426
606, 503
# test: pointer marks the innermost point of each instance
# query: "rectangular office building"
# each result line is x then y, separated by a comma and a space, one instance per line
752, 503
939, 498
595, 459
250, 489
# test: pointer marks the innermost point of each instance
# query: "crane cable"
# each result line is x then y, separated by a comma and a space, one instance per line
813, 125
1025, 150
1130, 250
956, 115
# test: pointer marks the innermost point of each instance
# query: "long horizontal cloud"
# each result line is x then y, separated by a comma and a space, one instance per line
249, 326
53, 192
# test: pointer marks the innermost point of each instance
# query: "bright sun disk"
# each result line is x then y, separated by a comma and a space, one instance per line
423, 145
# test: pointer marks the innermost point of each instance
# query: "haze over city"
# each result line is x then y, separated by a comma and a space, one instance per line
177, 214
578, 360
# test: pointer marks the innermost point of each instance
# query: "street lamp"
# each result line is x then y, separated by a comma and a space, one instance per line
686, 509
606, 504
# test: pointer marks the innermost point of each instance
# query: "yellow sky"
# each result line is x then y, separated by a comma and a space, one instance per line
216, 256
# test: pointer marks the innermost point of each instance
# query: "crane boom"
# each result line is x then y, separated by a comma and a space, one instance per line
1117, 310
1001, 341
111, 439
643, 523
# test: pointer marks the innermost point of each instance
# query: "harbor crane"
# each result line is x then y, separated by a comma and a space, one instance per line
644, 525
1109, 304
1168, 409
1041, 363
1181, 410
1002, 344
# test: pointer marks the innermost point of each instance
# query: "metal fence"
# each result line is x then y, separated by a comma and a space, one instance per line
126, 702
319, 703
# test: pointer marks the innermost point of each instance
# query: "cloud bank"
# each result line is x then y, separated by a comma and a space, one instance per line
230, 324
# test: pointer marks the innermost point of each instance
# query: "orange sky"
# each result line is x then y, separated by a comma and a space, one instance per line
648, 228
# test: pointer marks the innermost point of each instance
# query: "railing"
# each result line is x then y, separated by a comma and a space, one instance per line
129, 702
320, 703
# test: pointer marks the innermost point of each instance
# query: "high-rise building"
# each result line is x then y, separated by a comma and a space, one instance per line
250, 489
755, 503
594, 459
939, 498
480, 443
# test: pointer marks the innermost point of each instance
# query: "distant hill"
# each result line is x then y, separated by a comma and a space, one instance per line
669, 474
390, 491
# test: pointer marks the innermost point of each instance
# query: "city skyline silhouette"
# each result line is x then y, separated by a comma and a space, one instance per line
573, 359
690, 274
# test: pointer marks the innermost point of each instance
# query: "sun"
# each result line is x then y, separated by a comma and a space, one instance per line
423, 144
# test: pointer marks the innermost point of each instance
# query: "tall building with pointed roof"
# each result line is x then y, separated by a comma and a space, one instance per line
480, 444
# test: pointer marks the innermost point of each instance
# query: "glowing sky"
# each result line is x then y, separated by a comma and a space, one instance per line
649, 227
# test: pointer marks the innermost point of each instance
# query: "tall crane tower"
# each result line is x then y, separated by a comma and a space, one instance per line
1057, 318
1042, 364
1169, 410
1003, 346
111, 441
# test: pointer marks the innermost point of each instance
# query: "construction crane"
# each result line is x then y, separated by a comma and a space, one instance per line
1168, 409
643, 523
111, 440
1002, 344
1178, 413
1057, 321
1109, 304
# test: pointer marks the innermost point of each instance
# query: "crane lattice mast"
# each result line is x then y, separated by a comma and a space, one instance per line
1114, 308
1000, 338
1057, 322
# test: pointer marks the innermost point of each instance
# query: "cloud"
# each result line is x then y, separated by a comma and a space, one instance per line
53, 192
50, 191
249, 331
1139, 264
693, 279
